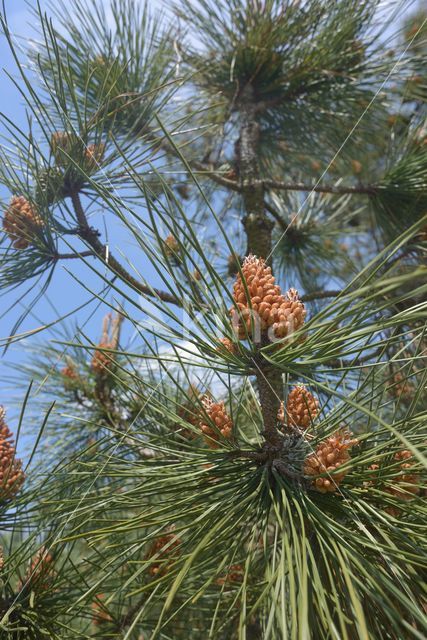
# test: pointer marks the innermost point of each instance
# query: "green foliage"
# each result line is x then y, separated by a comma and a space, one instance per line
156, 523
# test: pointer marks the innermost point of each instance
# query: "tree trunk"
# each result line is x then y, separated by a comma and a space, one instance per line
258, 229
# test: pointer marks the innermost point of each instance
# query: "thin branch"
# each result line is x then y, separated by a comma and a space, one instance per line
72, 256
367, 189
90, 235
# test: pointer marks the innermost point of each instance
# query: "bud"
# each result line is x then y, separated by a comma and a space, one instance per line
197, 275
21, 221
301, 409
217, 413
11, 473
164, 551
268, 306
356, 167
329, 456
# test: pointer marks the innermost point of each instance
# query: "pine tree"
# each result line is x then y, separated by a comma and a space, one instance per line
248, 461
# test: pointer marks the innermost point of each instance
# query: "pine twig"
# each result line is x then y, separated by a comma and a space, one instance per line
89, 235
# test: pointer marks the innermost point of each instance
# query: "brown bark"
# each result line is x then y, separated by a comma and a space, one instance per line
258, 227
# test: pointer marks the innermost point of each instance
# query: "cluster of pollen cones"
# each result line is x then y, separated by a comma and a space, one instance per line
234, 575
164, 551
21, 221
325, 464
11, 474
405, 484
261, 307
218, 415
64, 144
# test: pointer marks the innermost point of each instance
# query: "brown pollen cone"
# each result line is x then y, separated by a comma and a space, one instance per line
102, 361
301, 409
20, 221
261, 304
234, 575
100, 614
94, 154
217, 413
69, 372
40, 574
406, 485
62, 143
329, 456
171, 246
11, 473
1, 558
401, 388
164, 550
225, 344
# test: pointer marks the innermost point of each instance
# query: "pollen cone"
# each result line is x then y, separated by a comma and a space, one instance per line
11, 473
330, 455
21, 220
217, 413
261, 304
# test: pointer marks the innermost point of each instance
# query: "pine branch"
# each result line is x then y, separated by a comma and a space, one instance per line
368, 189
73, 256
91, 236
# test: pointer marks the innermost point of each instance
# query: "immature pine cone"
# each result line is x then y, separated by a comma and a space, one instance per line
20, 221
11, 473
301, 409
165, 550
101, 360
40, 573
269, 307
329, 456
219, 416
